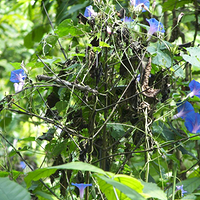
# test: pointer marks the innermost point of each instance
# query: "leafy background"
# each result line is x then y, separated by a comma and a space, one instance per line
98, 126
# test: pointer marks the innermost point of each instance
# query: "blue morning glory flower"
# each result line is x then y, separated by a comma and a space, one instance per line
142, 3
182, 190
192, 122
89, 12
81, 187
17, 76
155, 26
183, 110
194, 88
127, 19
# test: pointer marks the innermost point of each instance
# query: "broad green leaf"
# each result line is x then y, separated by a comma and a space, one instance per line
189, 185
190, 196
161, 58
35, 35
116, 130
193, 58
152, 190
38, 174
16, 65
123, 189
67, 27
46, 172
61, 106
172, 4
161, 128
9, 190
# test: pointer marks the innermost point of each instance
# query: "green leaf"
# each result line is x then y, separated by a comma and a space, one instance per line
46, 172
123, 185
52, 39
61, 106
51, 61
161, 128
67, 27
185, 151
161, 58
191, 184
28, 139
193, 58
178, 71
116, 130
190, 197
77, 8
43, 196
38, 174
153, 191
10, 190
172, 4
103, 44
35, 35
16, 65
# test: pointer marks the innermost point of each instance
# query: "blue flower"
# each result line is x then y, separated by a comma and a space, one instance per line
192, 122
183, 110
181, 188
17, 77
127, 19
140, 3
89, 12
194, 88
81, 187
155, 26
22, 164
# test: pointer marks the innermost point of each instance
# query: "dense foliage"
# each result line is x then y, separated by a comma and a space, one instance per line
100, 99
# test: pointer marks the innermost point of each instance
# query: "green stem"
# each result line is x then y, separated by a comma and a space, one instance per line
174, 181
147, 146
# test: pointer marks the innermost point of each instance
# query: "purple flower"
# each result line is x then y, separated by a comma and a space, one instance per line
17, 77
89, 12
155, 26
192, 122
181, 188
140, 3
194, 88
127, 19
183, 110
81, 187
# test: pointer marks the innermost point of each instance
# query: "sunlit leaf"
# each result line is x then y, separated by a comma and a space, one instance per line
193, 58
123, 185
46, 172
